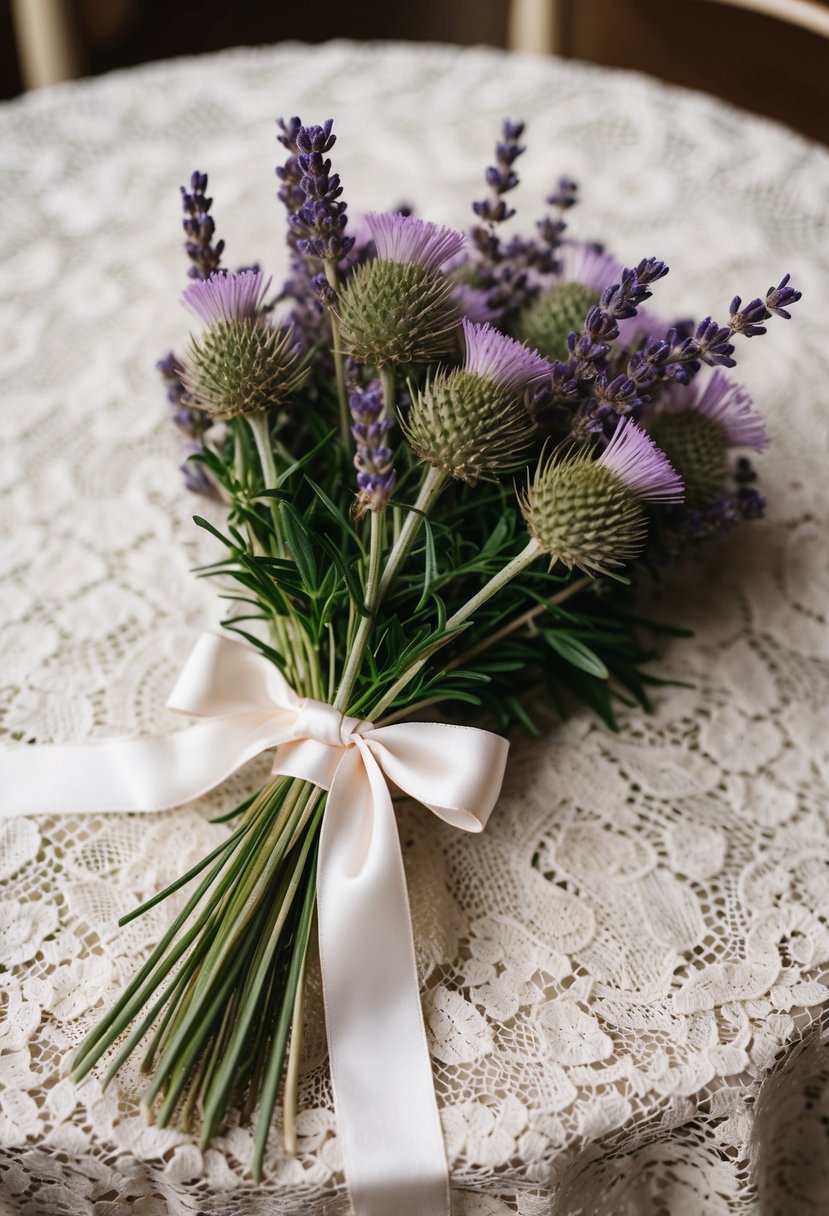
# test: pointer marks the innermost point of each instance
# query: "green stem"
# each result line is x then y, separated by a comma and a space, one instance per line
524, 559
526, 618
260, 428
261, 431
355, 654
430, 488
339, 362
159, 965
276, 1058
290, 1097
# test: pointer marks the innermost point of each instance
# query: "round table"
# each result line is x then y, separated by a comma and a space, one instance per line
623, 977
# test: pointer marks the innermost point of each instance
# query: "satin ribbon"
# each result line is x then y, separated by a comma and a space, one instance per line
387, 1116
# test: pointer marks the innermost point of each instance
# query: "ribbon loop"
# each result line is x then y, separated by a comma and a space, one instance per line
380, 1067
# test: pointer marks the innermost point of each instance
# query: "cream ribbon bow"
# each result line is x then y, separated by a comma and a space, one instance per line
387, 1116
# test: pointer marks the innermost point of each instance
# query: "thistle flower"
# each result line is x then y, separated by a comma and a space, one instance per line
227, 297
588, 513
373, 457
398, 308
471, 422
241, 364
697, 425
547, 321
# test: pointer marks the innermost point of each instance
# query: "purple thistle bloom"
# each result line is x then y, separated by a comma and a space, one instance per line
475, 303
402, 238
636, 460
373, 457
729, 405
493, 356
227, 297
588, 265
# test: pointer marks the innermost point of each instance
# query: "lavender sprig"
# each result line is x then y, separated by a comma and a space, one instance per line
307, 314
551, 228
501, 178
199, 229
192, 421
589, 349
376, 477
320, 222
680, 358
503, 271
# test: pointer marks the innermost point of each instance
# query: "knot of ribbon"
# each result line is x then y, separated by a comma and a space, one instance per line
321, 721
384, 1097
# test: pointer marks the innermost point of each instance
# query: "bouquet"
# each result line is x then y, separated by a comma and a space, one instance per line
452, 467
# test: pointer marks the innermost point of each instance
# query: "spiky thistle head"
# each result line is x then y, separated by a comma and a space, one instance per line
588, 512
471, 422
399, 307
697, 425
240, 364
561, 307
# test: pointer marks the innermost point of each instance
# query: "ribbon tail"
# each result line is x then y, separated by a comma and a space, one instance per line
120, 775
381, 1072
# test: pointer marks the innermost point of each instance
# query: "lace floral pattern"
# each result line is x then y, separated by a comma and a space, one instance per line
623, 977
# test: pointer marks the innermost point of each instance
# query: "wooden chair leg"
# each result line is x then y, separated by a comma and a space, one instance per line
48, 43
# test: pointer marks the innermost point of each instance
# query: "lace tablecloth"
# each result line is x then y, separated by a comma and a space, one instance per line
623, 978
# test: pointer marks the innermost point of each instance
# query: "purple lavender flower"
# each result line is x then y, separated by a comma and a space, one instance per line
679, 356
308, 317
494, 357
780, 298
319, 223
197, 479
501, 177
373, 457
227, 297
563, 300
402, 238
199, 228
634, 458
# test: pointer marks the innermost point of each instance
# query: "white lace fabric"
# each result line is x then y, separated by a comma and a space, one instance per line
624, 975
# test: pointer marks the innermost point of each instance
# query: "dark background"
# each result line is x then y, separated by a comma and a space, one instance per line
767, 65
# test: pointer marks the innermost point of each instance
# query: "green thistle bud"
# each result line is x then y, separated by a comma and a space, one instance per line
241, 368
697, 425
399, 308
471, 422
696, 446
547, 321
397, 312
469, 427
588, 513
240, 364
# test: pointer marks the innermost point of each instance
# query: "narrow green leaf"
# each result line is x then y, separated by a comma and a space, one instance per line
201, 522
576, 652
297, 536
